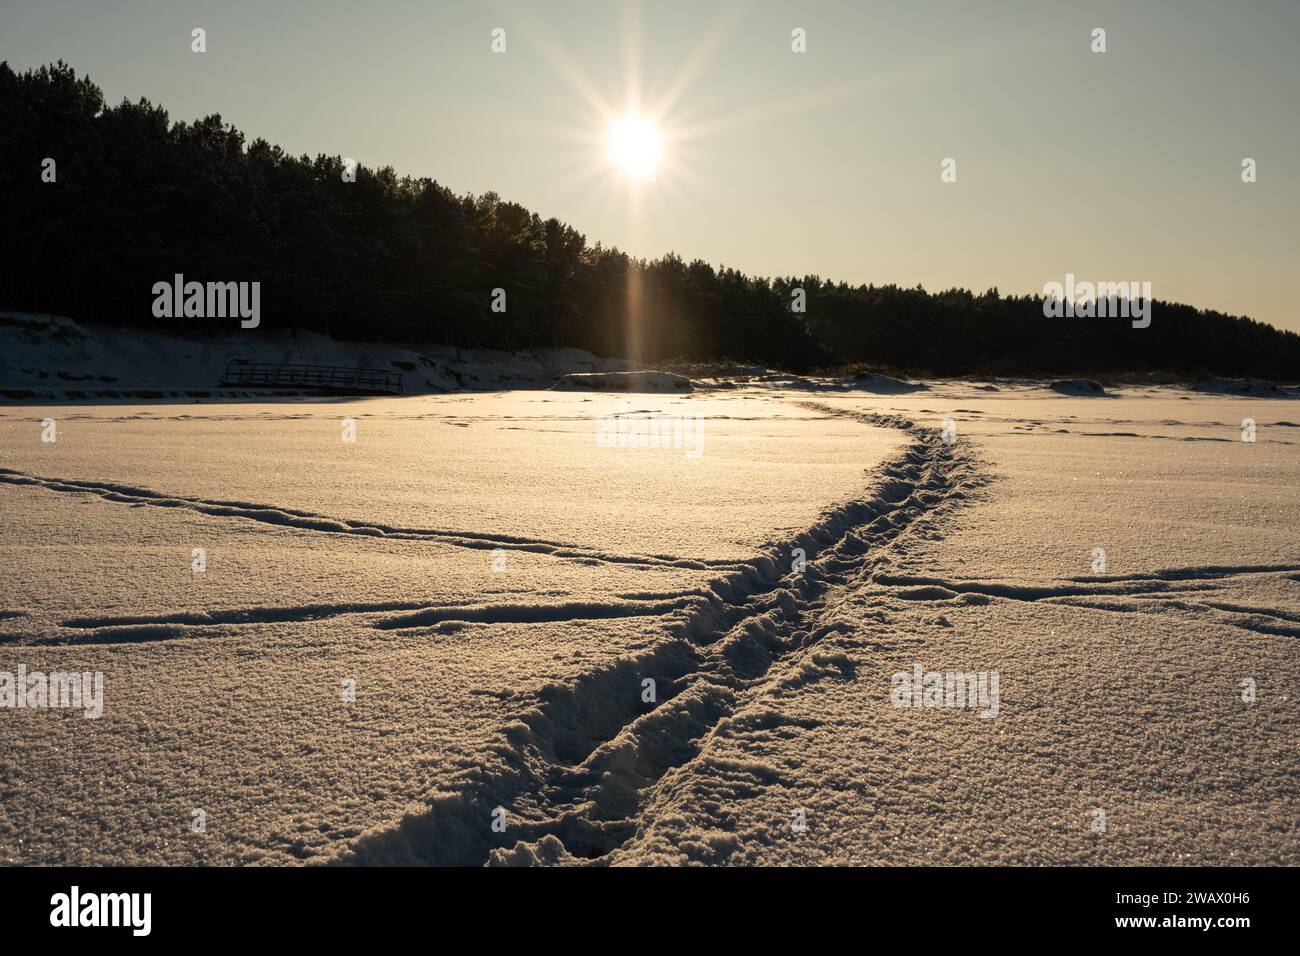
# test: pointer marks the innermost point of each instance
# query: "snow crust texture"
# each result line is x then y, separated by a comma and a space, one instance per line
539, 628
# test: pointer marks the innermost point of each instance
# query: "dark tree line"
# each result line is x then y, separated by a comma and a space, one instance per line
138, 198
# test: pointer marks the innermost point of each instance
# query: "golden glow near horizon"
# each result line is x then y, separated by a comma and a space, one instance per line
634, 146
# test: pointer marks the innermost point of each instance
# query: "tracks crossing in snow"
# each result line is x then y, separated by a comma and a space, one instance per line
580, 767
585, 763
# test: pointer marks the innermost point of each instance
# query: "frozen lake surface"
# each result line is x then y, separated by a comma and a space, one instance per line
423, 628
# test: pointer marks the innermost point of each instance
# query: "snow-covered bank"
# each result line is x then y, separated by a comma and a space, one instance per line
51, 358
45, 358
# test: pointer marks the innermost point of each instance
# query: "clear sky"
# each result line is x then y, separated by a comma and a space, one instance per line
1117, 166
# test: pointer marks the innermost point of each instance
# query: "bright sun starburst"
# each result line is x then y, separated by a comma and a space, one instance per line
634, 146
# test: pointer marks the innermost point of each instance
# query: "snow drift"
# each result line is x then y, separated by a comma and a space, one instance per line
1245, 386
626, 382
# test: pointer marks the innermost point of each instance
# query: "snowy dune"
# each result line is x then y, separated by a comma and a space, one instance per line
499, 575
49, 357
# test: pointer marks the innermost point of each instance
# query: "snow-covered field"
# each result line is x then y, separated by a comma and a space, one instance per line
424, 627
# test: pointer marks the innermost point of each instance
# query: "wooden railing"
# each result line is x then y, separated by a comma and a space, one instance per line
329, 378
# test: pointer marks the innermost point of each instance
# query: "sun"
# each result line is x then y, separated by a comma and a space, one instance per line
634, 146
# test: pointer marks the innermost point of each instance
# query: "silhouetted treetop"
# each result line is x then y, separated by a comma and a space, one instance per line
139, 198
